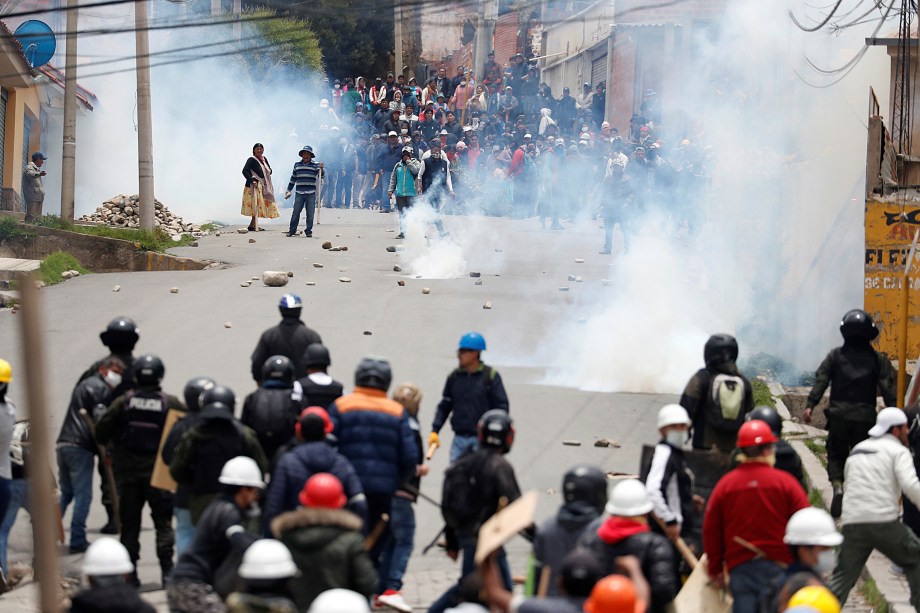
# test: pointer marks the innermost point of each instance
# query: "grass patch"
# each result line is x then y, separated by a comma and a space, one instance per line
816, 499
52, 266
820, 451
873, 597
155, 240
762, 394
211, 226
10, 228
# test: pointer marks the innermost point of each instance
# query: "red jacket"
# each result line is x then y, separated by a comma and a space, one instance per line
754, 501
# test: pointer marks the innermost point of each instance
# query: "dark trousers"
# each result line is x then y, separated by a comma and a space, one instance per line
893, 539
842, 436
403, 204
751, 582
377, 506
451, 598
343, 190
135, 490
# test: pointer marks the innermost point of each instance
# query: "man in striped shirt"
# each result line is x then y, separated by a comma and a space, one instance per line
304, 178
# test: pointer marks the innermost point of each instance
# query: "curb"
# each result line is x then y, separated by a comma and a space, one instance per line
892, 587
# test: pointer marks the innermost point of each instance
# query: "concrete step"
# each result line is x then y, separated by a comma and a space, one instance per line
10, 268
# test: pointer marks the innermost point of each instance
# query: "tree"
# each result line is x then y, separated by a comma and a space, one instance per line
281, 44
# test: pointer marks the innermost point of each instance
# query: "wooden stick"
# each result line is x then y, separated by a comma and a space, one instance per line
682, 546
376, 533
319, 194
35, 374
431, 449
106, 466
543, 586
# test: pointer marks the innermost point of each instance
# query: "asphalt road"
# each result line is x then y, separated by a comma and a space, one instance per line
521, 269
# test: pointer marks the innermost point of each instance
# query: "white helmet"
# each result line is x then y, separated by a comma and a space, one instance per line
106, 556
241, 471
340, 601
267, 559
812, 526
628, 498
672, 415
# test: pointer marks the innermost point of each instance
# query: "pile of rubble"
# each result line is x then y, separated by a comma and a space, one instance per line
124, 212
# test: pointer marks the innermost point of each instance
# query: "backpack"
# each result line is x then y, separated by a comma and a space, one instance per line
461, 494
724, 402
272, 416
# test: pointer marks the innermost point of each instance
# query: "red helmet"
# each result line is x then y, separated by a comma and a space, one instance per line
755, 432
323, 491
328, 426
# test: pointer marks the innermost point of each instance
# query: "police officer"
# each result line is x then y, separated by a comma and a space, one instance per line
185, 529
214, 439
319, 389
470, 391
272, 410
855, 373
134, 424
289, 338
718, 396
120, 336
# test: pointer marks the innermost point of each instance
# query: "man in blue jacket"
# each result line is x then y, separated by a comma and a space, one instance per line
470, 390
373, 432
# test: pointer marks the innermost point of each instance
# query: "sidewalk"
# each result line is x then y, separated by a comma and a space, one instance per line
893, 587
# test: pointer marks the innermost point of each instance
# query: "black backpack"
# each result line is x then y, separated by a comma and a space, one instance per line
272, 416
461, 494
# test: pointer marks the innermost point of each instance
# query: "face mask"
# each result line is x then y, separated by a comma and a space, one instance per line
676, 437
827, 560
112, 379
404, 131
338, 86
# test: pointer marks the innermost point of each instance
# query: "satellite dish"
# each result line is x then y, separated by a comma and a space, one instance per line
37, 40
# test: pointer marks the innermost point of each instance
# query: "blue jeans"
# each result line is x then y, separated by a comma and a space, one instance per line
395, 557
303, 202
462, 445
451, 598
19, 498
185, 530
751, 582
75, 465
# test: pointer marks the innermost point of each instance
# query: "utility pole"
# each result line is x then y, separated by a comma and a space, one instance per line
69, 156
215, 8
237, 14
485, 25
398, 37
144, 120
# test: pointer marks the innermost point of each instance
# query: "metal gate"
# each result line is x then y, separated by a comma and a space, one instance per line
599, 70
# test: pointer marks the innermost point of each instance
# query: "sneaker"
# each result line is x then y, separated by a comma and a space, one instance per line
79, 548
837, 501
308, 234
109, 528
289, 234
394, 600
400, 235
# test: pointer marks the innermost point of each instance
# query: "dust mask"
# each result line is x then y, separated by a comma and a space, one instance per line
404, 131
112, 379
827, 560
676, 438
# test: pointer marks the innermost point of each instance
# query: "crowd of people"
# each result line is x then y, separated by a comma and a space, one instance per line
338, 474
502, 145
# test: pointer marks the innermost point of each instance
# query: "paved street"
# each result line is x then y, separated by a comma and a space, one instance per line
417, 332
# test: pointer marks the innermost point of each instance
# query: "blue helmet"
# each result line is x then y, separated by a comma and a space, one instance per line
290, 301
472, 340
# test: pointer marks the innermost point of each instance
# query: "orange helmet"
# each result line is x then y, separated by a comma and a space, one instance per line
612, 594
323, 491
755, 432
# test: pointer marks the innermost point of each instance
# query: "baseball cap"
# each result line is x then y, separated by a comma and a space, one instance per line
392, 133
38, 155
887, 419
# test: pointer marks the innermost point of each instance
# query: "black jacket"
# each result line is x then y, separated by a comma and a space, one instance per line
695, 399
557, 537
855, 373
318, 394
211, 547
94, 395
121, 598
289, 338
253, 167
467, 396
271, 413
182, 426
496, 481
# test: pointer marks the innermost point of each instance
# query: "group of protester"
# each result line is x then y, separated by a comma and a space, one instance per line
338, 474
500, 146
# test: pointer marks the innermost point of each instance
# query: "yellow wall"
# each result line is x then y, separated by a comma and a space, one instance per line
21, 106
888, 240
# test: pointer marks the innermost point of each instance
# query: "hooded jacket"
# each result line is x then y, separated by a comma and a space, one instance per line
878, 471
612, 537
546, 119
302, 462
327, 546
557, 537
289, 338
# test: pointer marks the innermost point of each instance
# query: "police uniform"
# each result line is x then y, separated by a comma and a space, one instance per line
134, 424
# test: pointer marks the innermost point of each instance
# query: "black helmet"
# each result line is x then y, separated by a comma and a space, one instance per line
373, 372
857, 324
278, 368
316, 355
586, 483
121, 333
769, 415
193, 391
149, 370
496, 430
219, 394
720, 348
